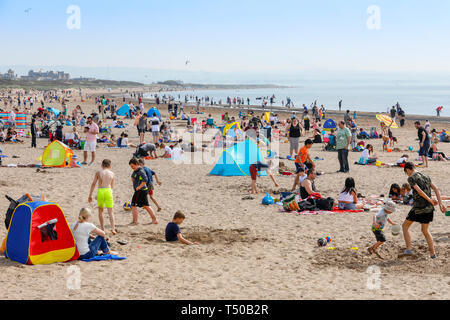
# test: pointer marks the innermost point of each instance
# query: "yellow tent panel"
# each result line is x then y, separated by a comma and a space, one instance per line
57, 154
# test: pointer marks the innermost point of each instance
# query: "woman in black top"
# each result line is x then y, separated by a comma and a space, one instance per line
294, 130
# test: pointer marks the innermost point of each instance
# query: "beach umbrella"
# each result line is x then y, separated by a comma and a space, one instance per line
329, 124
387, 120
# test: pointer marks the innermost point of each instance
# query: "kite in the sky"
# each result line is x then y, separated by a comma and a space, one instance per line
27, 10
187, 62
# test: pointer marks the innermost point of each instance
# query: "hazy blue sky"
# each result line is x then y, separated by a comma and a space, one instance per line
228, 35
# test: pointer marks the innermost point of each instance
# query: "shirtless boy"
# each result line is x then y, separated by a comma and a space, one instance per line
105, 179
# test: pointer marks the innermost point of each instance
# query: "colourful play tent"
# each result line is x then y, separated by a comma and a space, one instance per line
39, 234
153, 111
329, 124
124, 110
57, 154
236, 161
230, 126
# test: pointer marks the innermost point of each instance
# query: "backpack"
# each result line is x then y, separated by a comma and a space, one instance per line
325, 204
307, 205
14, 203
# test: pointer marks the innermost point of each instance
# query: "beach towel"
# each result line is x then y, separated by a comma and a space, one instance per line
104, 258
334, 211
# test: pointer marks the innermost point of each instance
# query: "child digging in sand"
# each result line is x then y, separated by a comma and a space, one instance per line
257, 167
105, 199
379, 221
140, 197
150, 173
173, 232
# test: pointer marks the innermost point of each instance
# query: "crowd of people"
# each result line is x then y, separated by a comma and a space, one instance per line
343, 139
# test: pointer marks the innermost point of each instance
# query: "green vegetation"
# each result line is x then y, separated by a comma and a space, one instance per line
49, 85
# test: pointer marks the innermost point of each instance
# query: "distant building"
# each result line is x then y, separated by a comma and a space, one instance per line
49, 75
10, 75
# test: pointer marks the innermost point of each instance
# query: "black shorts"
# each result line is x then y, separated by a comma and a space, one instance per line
140, 199
379, 235
423, 218
141, 131
423, 151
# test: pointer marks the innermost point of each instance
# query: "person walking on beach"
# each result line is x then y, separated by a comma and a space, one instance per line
347, 117
294, 131
423, 207
393, 112
424, 141
91, 140
155, 128
343, 139
142, 127
33, 132
105, 199
140, 198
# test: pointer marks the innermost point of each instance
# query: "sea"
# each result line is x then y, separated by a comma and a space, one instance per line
372, 96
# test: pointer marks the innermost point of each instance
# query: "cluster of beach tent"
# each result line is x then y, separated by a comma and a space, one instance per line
125, 109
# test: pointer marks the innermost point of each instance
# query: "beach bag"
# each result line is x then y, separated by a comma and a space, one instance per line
14, 203
290, 203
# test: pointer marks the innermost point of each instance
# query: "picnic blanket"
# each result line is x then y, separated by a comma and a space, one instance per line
104, 257
335, 210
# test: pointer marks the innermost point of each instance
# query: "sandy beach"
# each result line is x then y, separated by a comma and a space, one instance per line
247, 250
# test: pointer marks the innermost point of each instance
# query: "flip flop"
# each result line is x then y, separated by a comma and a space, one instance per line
122, 242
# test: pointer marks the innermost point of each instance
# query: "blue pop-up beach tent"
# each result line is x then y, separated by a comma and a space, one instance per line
153, 111
56, 112
124, 110
236, 161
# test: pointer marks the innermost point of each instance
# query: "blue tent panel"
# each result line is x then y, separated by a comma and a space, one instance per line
152, 111
124, 110
56, 112
18, 241
236, 161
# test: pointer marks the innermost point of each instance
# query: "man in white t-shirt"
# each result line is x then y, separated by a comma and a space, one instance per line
155, 128
91, 140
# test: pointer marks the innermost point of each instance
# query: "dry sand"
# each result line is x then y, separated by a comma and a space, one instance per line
247, 251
